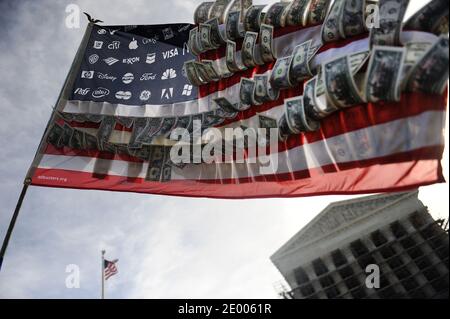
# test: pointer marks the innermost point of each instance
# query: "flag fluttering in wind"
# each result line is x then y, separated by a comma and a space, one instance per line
351, 116
110, 268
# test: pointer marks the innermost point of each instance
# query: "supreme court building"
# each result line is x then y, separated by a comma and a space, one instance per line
329, 256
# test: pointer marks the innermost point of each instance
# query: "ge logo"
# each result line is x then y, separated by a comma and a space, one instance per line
145, 95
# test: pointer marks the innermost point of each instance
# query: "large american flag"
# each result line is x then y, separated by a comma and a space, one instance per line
135, 72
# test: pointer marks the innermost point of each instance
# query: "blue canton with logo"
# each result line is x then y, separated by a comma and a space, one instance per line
136, 65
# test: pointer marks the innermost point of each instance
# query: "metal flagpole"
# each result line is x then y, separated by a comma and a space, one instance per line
62, 95
13, 221
103, 274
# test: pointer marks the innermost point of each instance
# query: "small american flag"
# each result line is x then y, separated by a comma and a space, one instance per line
110, 268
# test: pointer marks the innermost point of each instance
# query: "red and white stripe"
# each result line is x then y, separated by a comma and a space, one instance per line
110, 269
364, 149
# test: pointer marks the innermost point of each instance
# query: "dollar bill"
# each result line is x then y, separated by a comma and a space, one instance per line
205, 36
297, 12
248, 49
151, 130
225, 108
191, 73
66, 136
79, 117
211, 119
68, 117
414, 53
216, 36
202, 72
125, 121
317, 11
353, 17
168, 124
233, 5
283, 128
391, 14
183, 122
246, 93
279, 77
431, 73
274, 15
202, 12
55, 134
253, 18
357, 60
230, 57
122, 149
300, 69
384, 73
218, 10
261, 82
308, 124
142, 153
90, 142
267, 123
94, 118
245, 5
192, 43
272, 93
340, 85
108, 147
267, 45
232, 25
431, 18
156, 163
139, 126
332, 28
211, 70
292, 111
77, 140
166, 174
106, 128
309, 100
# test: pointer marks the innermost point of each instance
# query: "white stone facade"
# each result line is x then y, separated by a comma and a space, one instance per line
329, 256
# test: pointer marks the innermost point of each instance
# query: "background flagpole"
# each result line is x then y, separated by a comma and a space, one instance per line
103, 274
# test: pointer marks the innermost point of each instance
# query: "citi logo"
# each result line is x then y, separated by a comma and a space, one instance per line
170, 54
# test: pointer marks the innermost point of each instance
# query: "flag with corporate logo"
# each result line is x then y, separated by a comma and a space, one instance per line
130, 89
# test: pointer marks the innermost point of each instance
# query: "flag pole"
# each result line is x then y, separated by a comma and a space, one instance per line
63, 94
13, 221
103, 274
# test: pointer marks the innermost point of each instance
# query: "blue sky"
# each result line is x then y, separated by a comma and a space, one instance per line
167, 247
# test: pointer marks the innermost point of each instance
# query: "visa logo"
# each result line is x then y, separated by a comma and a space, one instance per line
170, 54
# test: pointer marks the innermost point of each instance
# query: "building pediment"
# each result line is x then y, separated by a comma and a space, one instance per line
339, 215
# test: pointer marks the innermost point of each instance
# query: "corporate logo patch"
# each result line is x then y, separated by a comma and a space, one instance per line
100, 92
